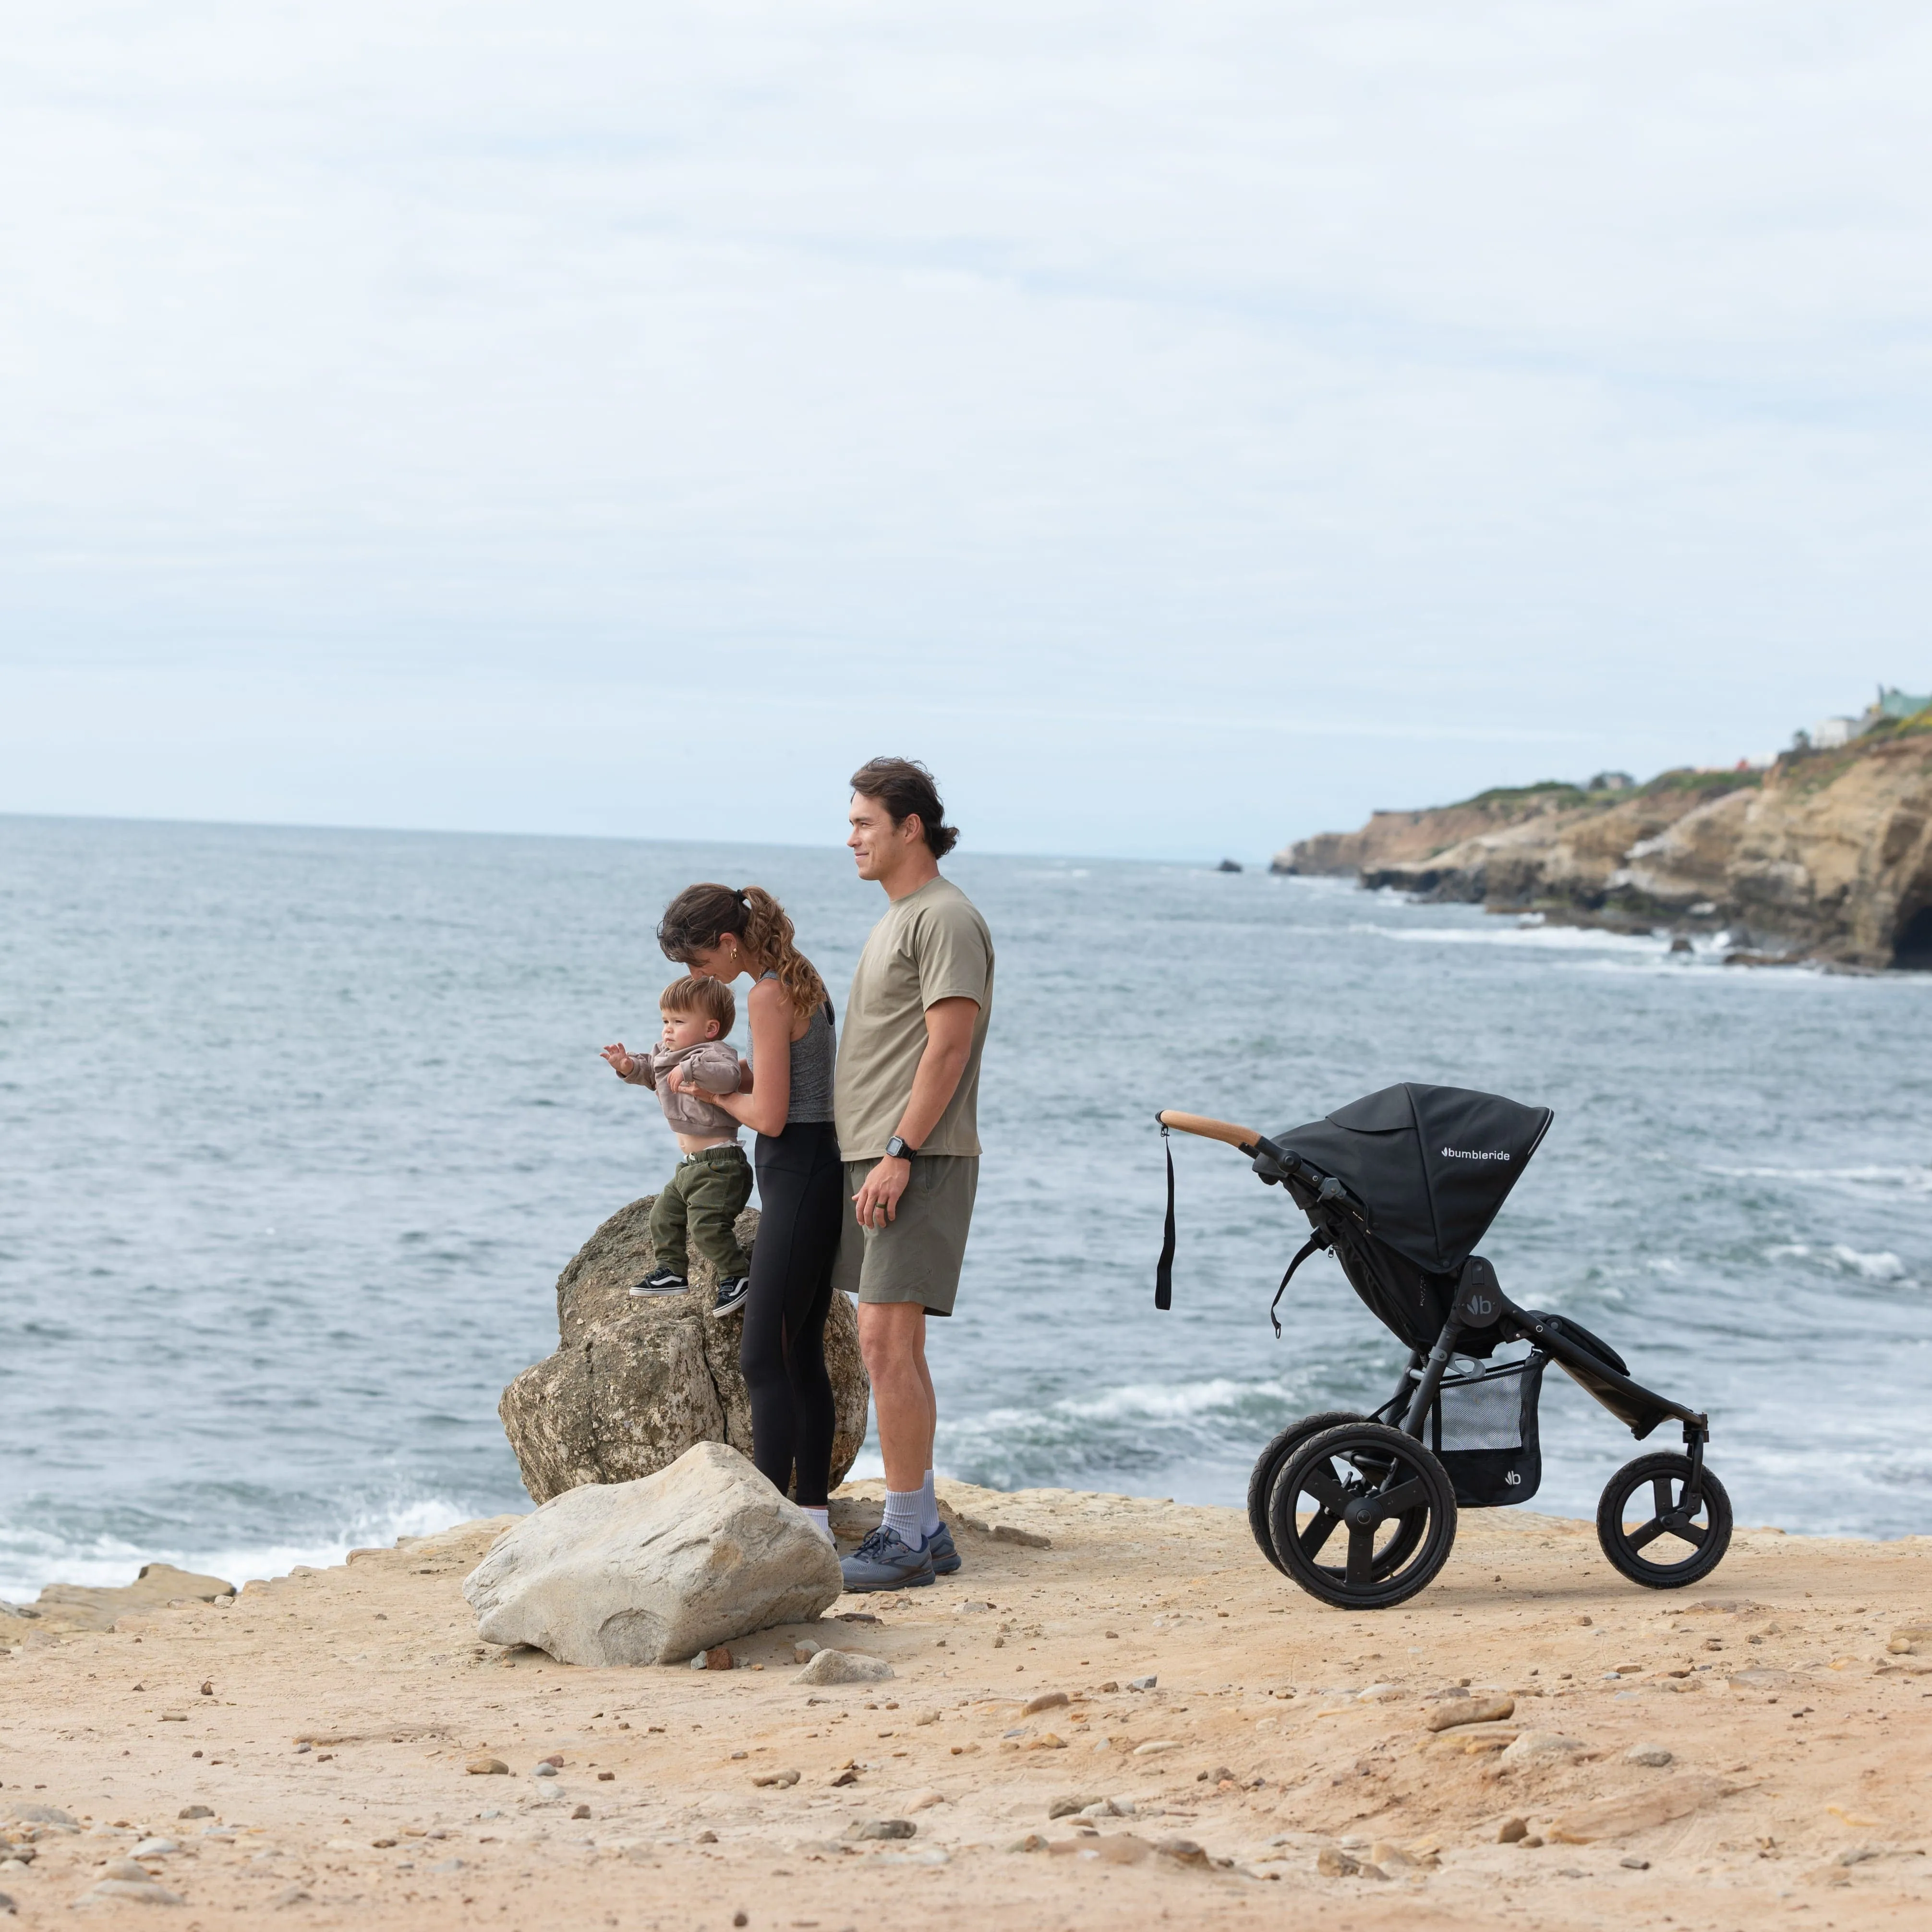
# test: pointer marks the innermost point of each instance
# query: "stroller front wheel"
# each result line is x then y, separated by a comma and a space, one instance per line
1654, 1540
1372, 1497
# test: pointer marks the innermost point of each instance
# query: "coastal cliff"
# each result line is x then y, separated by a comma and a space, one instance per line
1826, 855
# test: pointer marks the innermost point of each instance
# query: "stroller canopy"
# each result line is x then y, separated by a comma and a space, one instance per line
1433, 1166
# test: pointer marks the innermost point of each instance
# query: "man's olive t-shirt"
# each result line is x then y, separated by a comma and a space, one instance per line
931, 945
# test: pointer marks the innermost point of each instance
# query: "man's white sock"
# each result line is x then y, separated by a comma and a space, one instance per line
902, 1515
928, 1509
822, 1517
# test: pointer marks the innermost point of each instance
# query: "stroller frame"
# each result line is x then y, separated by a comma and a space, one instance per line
1367, 1473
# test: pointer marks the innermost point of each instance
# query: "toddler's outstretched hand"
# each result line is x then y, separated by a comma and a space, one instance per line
621, 1062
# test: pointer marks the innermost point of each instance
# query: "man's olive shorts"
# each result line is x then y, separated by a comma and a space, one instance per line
916, 1255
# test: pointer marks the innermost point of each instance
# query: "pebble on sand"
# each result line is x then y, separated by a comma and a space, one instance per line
487, 1767
786, 1778
882, 1828
1655, 1756
1485, 1710
845, 1666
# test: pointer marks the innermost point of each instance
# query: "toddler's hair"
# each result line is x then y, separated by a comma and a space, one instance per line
694, 994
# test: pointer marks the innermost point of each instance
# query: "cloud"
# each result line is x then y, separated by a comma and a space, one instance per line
1187, 426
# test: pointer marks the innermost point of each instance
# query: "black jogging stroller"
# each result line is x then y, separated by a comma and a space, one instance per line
1399, 1186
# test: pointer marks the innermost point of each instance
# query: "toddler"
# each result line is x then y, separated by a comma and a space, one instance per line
709, 1188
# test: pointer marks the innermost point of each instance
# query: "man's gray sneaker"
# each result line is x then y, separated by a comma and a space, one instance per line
661, 1281
885, 1561
939, 1546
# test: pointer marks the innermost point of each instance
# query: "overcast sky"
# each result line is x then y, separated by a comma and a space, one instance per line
1187, 426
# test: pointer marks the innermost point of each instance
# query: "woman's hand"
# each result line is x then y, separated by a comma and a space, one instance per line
622, 1064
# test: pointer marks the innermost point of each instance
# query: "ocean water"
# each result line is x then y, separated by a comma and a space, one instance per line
298, 1127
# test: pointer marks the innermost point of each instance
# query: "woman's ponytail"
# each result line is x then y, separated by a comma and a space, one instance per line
768, 931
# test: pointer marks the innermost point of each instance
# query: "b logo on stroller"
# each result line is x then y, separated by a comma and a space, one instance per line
1399, 1186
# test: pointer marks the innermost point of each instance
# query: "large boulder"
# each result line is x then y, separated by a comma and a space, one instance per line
634, 1385
655, 1570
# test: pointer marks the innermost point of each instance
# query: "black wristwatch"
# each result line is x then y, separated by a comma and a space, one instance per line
897, 1149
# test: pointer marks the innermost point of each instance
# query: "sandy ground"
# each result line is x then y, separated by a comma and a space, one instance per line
1801, 1747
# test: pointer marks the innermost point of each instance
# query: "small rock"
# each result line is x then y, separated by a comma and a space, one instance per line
1182, 1851
1634, 1864
125, 1868
883, 1828
156, 1848
295, 1894
6, 1902
849, 1775
1474, 1710
545, 1770
1512, 1831
1032, 1842
447, 1865
1155, 1746
706, 1838
582, 1811
1027, 1539
845, 1666
1539, 1744
1070, 1806
145, 1893
607, 1777
804, 1650
1047, 1700
1333, 1863
740, 1918
208, 1686
784, 1778
487, 1767
1655, 1756
1142, 1683
194, 1811
1381, 1693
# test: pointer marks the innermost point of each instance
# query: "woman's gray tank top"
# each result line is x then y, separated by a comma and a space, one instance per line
813, 1054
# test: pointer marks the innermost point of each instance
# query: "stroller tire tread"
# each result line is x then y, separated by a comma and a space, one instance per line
1268, 1464
1369, 1578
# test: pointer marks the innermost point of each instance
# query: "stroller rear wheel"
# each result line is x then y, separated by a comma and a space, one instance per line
1652, 1538
1268, 1466
1391, 1498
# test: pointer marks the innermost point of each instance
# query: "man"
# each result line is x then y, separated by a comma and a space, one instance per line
906, 1098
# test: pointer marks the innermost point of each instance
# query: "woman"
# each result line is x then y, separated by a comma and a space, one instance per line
786, 1099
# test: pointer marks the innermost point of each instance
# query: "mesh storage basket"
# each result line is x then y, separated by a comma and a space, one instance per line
1482, 1428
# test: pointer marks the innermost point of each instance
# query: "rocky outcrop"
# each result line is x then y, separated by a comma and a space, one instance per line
635, 1384
1403, 838
80, 1606
654, 1571
1826, 855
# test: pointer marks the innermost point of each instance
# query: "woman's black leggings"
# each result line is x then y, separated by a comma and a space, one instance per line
801, 1215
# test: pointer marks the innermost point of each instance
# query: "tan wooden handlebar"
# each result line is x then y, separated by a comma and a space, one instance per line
1209, 1129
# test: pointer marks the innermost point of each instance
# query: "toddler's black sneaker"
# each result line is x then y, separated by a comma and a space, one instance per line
661, 1281
732, 1291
